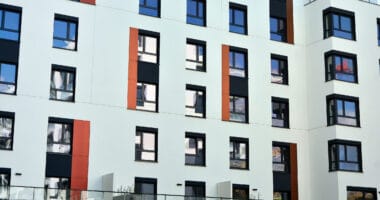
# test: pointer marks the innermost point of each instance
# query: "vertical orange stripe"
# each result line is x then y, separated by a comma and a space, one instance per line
289, 21
93, 2
132, 68
293, 172
80, 155
225, 83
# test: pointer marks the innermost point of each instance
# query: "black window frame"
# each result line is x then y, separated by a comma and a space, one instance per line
282, 102
285, 157
65, 69
62, 121
283, 33
328, 30
152, 8
11, 8
198, 43
154, 131
197, 137
243, 8
155, 35
198, 184
143, 180
16, 75
6, 172
204, 18
378, 31
332, 72
238, 50
240, 187
9, 115
235, 141
137, 96
345, 143
334, 115
197, 88
68, 20
285, 71
364, 190
246, 109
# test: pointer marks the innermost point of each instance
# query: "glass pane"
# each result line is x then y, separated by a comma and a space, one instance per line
349, 166
336, 21
238, 164
345, 23
58, 80
54, 132
152, 3
240, 105
190, 146
8, 73
239, 61
149, 141
191, 52
347, 121
70, 81
64, 44
273, 25
350, 109
147, 188
276, 154
191, 7
60, 29
242, 151
8, 35
12, 20
150, 92
275, 66
352, 153
150, 45
341, 152
7, 88
239, 17
354, 195
339, 107
190, 98
73, 31
148, 156
59, 95
278, 167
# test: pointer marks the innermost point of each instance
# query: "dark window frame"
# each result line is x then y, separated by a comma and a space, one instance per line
328, 30
149, 83
16, 76
11, 8
243, 51
141, 180
195, 184
283, 33
204, 18
154, 35
69, 20
12, 116
332, 72
197, 137
153, 131
378, 31
65, 69
239, 7
239, 140
203, 44
364, 190
62, 121
285, 75
144, 5
334, 115
198, 89
336, 154
234, 109
286, 119
285, 156
239, 187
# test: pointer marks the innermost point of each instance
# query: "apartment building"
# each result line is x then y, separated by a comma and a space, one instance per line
243, 99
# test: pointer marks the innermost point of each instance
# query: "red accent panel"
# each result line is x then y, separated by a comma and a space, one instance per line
93, 2
293, 172
289, 21
132, 68
80, 154
225, 83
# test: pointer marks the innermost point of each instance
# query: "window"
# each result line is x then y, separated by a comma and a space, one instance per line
6, 130
62, 84
378, 31
238, 62
279, 69
195, 149
339, 23
8, 78
281, 196
341, 66
196, 12
239, 158
148, 49
150, 8
240, 192
65, 32
280, 112
238, 109
147, 187
280, 158
195, 101
278, 29
146, 97
60, 132
146, 144
10, 23
195, 190
5, 182
360, 193
343, 110
196, 55
57, 188
238, 18
345, 155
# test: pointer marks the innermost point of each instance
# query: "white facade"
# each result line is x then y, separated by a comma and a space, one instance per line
101, 62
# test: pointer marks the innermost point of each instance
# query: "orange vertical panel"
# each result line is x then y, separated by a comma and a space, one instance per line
132, 68
225, 83
293, 172
80, 155
289, 21
93, 2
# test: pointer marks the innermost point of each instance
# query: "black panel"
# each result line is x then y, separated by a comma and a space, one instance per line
238, 86
281, 181
58, 165
278, 8
147, 72
9, 51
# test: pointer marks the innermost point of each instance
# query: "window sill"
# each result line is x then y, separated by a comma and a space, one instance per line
12, 94
236, 168
194, 70
283, 84
343, 125
282, 127
341, 170
73, 50
150, 15
332, 36
11, 149
236, 122
282, 42
356, 82
245, 34
146, 161
191, 116
59, 100
197, 25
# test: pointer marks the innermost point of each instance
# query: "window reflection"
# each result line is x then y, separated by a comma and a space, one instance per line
149, 7
343, 111
57, 188
146, 97
238, 109
341, 68
277, 29
8, 78
147, 49
238, 19
195, 55
279, 70
238, 63
345, 156
280, 113
238, 154
6, 132
9, 25
195, 103
196, 12
59, 137
62, 84
194, 150
65, 33
145, 144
